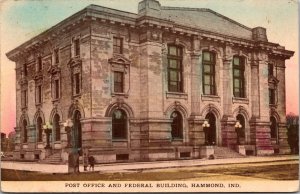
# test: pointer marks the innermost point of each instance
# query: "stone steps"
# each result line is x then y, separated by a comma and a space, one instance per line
224, 152
55, 158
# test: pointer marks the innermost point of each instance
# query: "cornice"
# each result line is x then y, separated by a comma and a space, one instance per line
131, 20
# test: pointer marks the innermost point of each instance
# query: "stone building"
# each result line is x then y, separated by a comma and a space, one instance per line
165, 83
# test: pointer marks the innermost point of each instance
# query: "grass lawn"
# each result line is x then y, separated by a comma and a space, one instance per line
218, 172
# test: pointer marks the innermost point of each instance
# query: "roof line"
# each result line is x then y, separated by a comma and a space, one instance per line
207, 10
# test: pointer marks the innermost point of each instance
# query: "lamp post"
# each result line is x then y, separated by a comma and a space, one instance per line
238, 126
48, 129
206, 125
68, 126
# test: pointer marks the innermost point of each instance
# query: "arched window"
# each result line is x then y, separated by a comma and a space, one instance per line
210, 132
209, 63
240, 131
56, 127
119, 124
24, 131
273, 127
39, 125
238, 77
175, 79
177, 132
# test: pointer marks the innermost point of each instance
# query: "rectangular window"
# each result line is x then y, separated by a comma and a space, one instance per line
77, 83
56, 56
56, 89
25, 69
175, 81
39, 94
208, 61
118, 45
24, 98
39, 64
118, 82
272, 96
270, 69
238, 77
76, 47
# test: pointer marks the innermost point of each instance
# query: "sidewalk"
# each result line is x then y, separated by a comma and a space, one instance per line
118, 167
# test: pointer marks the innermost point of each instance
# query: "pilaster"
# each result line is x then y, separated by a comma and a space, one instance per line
260, 136
229, 136
196, 81
284, 147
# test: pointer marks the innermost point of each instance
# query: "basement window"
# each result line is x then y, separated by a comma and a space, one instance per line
122, 156
185, 154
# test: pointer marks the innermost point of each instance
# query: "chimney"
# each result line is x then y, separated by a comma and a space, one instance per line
149, 8
259, 34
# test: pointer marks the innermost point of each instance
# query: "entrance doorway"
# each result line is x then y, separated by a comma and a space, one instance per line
274, 130
211, 131
240, 131
77, 132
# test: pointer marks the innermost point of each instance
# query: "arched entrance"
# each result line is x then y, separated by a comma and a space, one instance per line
24, 131
274, 130
39, 123
211, 131
77, 132
176, 126
56, 126
240, 130
119, 124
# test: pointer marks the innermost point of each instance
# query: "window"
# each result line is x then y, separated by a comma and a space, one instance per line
271, 96
56, 127
38, 94
56, 56
273, 127
39, 64
270, 70
176, 125
118, 45
24, 131
118, 82
77, 83
25, 72
238, 77
39, 129
119, 124
209, 62
24, 98
76, 47
56, 89
175, 82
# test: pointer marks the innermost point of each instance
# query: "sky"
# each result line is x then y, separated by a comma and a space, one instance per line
23, 19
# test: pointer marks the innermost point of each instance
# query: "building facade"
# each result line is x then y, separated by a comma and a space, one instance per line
165, 83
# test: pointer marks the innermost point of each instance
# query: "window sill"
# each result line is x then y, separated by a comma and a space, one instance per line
56, 100
177, 139
119, 94
240, 100
119, 140
213, 98
77, 95
177, 95
273, 105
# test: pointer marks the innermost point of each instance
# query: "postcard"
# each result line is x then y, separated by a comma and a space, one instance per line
149, 96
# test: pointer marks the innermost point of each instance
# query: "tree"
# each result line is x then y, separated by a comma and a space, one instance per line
292, 122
